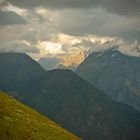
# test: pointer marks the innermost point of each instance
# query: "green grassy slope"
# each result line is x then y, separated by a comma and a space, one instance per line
18, 122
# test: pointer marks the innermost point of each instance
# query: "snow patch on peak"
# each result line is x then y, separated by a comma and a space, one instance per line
124, 47
100, 54
131, 49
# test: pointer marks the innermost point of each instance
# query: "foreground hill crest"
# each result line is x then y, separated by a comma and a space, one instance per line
18, 122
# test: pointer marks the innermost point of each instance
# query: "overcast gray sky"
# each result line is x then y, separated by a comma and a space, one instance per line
45, 28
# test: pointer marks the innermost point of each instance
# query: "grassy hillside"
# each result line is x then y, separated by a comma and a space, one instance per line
18, 122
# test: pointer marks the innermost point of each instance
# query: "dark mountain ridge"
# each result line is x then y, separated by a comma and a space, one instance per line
76, 105
115, 74
14, 79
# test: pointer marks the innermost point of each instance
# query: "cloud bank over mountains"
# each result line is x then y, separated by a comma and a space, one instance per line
60, 22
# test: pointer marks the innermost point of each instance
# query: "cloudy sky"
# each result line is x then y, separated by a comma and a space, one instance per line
56, 28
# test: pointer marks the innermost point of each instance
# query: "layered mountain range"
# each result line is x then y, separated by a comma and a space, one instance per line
49, 63
116, 74
68, 62
68, 100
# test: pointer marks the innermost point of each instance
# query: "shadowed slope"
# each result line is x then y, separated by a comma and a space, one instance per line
79, 107
114, 73
76, 105
11, 77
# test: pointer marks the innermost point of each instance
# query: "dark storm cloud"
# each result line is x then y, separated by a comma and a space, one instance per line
99, 22
10, 18
18, 46
125, 7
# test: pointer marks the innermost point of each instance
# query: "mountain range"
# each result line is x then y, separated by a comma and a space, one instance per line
68, 62
68, 99
116, 74
49, 63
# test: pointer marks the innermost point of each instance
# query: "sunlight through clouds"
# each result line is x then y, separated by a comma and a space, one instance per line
51, 48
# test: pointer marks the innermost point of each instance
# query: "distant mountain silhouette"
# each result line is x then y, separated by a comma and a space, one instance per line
114, 73
48, 63
18, 71
75, 104
68, 62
